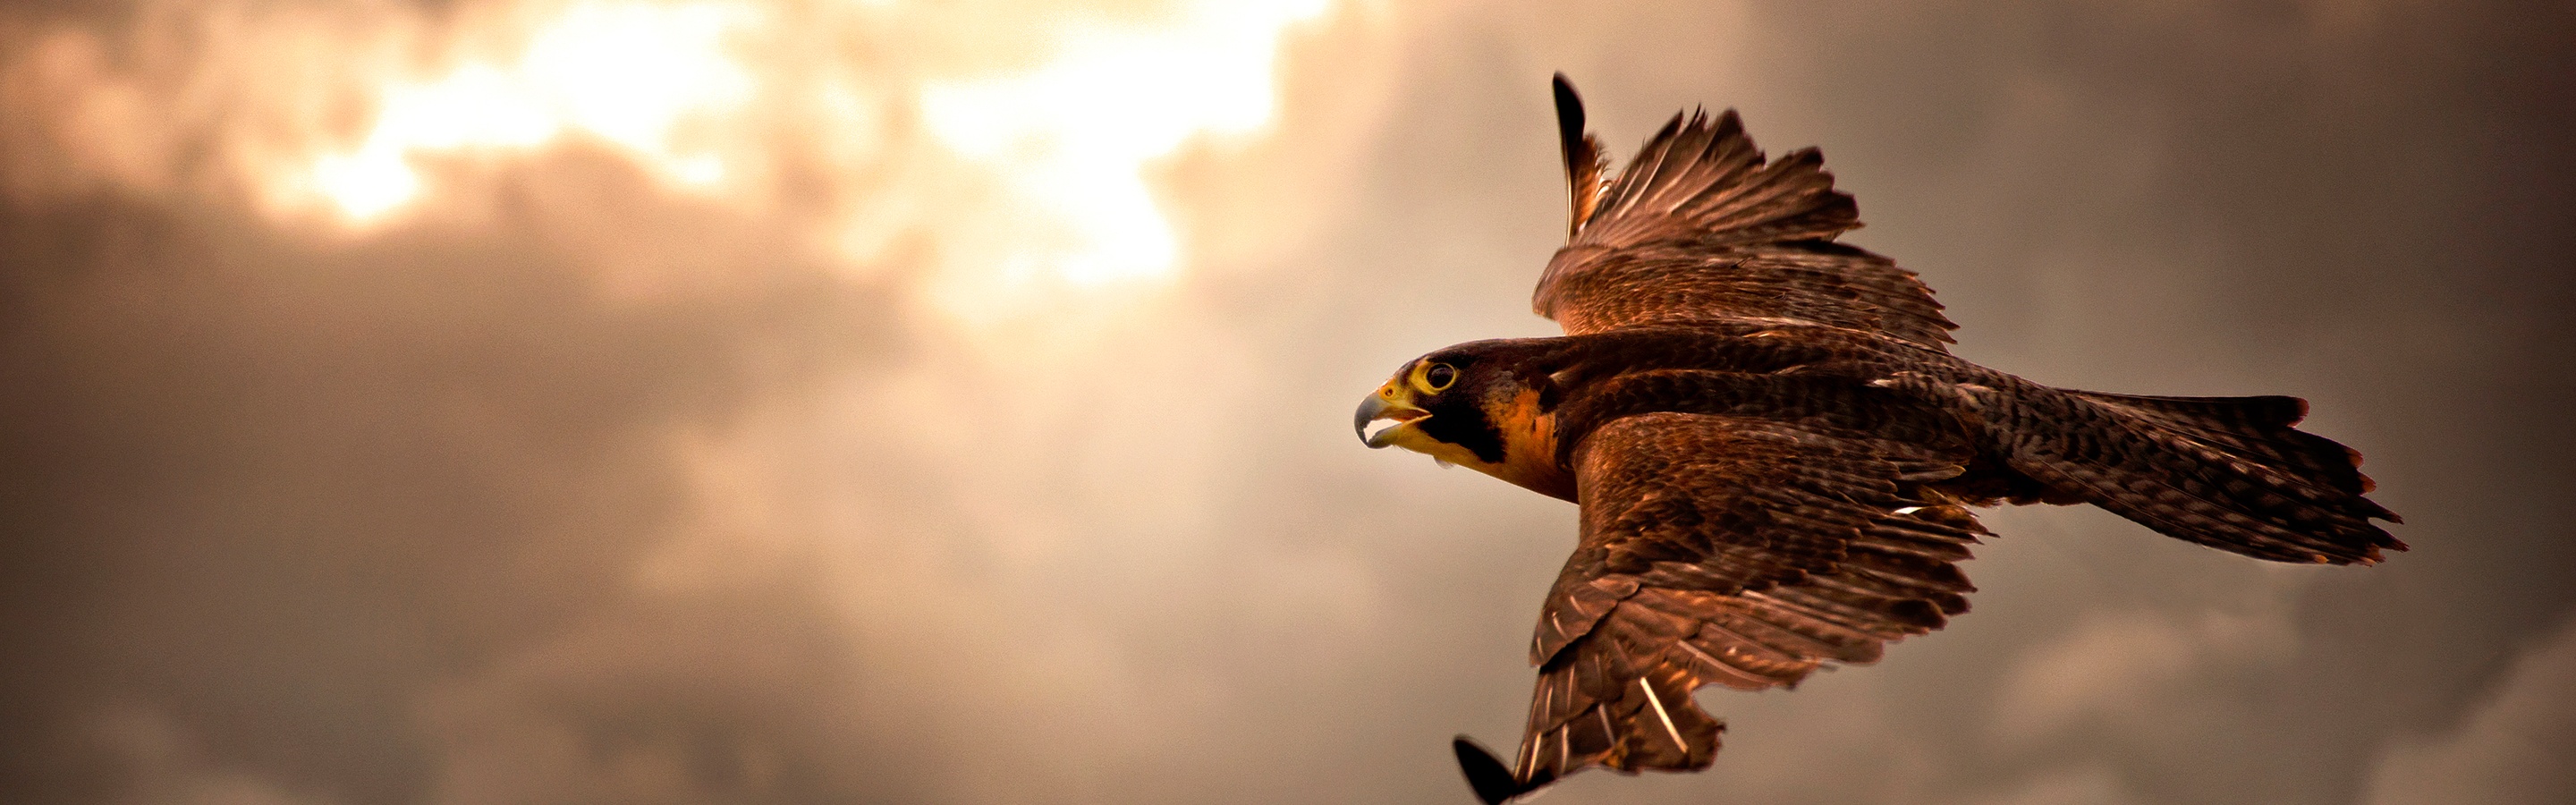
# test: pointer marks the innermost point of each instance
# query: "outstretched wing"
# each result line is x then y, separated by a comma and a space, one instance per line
1732, 551
1700, 226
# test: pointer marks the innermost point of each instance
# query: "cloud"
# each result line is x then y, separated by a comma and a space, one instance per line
2077, 787
2127, 667
160, 764
2508, 748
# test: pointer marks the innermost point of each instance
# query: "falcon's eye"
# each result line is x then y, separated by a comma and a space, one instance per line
1440, 376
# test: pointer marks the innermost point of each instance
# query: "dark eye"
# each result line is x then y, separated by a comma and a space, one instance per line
1440, 376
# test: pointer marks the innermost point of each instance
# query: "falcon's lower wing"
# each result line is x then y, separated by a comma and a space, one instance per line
1730, 551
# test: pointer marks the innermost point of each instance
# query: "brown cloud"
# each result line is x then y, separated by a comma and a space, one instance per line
2506, 750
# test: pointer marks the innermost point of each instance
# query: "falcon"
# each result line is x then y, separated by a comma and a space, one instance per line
1775, 453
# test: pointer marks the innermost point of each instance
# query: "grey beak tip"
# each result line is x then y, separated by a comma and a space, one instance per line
1369, 409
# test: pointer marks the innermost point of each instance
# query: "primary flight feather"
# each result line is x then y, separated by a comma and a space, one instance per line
1774, 451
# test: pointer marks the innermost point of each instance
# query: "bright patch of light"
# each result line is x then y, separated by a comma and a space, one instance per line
1005, 156
626, 74
366, 184
1072, 138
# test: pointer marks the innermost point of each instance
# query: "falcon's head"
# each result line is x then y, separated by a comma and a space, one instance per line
1478, 404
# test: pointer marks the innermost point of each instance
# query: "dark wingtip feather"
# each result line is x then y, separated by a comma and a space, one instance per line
1569, 113
1492, 780
1583, 165
1569, 137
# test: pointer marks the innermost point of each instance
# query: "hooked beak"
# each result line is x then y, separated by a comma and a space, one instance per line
1389, 402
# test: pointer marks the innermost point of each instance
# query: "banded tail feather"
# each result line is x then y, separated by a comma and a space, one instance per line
2232, 473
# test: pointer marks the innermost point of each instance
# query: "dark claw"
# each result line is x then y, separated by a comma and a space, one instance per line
1492, 780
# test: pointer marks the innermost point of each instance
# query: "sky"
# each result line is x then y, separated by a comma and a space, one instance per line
629, 401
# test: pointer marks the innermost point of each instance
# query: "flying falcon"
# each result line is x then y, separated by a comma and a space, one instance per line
1774, 451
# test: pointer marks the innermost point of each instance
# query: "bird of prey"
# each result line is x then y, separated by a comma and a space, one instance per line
1774, 451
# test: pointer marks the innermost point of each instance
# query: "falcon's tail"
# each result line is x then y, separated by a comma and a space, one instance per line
2227, 472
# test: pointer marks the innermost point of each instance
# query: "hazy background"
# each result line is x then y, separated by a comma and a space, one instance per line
620, 402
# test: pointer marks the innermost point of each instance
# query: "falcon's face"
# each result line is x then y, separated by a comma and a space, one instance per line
1466, 405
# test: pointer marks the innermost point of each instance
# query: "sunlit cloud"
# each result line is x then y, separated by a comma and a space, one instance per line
1006, 154
1075, 135
625, 74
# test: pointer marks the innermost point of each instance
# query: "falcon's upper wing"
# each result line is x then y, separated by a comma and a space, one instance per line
1699, 226
1736, 551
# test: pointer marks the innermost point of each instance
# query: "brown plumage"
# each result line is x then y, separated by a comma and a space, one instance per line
1774, 451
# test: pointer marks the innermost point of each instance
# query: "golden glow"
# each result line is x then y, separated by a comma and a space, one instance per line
623, 73
1073, 137
1003, 153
